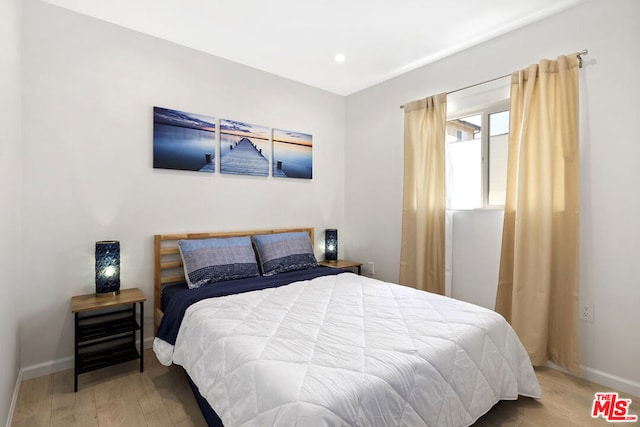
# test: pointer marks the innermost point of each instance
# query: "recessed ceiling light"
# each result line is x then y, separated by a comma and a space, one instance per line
340, 58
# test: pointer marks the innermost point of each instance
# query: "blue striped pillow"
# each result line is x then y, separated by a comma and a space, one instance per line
282, 252
215, 260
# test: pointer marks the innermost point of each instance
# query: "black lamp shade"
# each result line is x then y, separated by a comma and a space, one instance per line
107, 267
331, 244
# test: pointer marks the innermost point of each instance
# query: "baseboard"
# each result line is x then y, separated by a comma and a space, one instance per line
46, 368
14, 399
58, 365
617, 383
603, 378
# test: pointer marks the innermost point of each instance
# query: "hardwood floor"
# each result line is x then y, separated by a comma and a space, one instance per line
566, 401
115, 396
122, 396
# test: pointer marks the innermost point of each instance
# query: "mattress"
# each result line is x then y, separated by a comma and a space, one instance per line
344, 349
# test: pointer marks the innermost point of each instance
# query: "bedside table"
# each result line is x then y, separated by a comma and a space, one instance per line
342, 263
108, 337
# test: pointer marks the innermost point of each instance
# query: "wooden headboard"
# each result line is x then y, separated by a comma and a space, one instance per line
167, 262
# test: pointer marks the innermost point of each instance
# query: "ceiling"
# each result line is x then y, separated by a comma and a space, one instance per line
298, 39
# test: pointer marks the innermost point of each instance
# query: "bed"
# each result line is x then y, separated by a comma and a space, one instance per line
317, 346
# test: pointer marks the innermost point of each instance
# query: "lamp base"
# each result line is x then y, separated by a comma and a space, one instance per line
107, 294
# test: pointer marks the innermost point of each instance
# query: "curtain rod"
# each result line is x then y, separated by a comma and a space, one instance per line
578, 54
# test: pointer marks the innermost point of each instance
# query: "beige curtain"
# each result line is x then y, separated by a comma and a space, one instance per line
538, 280
423, 207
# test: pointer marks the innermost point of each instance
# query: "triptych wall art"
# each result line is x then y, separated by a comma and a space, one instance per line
187, 141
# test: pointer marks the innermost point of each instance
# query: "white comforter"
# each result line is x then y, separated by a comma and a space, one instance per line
348, 350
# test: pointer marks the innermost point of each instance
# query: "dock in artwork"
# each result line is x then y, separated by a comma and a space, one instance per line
244, 159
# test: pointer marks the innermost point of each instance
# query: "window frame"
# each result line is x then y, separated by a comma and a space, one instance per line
483, 111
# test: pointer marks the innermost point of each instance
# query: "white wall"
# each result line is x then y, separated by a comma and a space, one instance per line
476, 242
610, 244
89, 89
10, 197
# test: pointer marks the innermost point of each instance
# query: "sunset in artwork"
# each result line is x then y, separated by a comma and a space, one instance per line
292, 154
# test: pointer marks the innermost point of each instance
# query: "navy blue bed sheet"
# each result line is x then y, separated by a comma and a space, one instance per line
168, 292
179, 297
210, 416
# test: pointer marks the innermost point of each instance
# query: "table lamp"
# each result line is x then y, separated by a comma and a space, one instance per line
331, 244
107, 267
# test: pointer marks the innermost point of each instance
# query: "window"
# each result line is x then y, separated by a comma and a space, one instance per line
498, 150
476, 150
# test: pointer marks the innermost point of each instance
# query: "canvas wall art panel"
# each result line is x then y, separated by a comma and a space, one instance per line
244, 148
183, 141
292, 154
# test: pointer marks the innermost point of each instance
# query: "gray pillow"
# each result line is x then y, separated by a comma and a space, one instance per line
217, 259
282, 252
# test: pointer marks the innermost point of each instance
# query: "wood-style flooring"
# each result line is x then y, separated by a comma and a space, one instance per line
122, 396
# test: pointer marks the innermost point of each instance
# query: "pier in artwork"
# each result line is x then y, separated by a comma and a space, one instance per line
244, 159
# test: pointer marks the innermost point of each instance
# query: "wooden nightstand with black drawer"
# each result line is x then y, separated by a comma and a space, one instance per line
342, 263
105, 330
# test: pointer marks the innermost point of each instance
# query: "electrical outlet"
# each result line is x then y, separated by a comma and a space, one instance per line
371, 268
586, 312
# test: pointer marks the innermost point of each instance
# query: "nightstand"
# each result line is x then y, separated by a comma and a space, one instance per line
105, 330
342, 263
